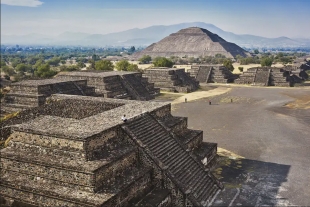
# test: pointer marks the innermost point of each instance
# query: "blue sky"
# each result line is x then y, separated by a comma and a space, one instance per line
269, 18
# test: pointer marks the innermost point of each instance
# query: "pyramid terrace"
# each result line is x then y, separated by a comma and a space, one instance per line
77, 151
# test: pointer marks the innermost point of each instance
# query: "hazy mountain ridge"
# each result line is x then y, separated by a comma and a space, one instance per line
147, 36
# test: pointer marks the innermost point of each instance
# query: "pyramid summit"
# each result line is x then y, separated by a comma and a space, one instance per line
192, 42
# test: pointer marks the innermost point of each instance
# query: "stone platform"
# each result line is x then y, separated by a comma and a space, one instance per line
115, 84
76, 151
211, 74
267, 76
32, 93
172, 79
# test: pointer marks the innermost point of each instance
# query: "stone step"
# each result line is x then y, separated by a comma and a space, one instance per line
180, 164
24, 135
9, 108
157, 197
23, 101
175, 124
90, 174
135, 87
200, 186
43, 192
21, 146
191, 138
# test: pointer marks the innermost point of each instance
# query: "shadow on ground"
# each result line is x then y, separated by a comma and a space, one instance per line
250, 182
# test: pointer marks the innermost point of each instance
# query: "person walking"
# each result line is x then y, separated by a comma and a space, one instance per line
124, 118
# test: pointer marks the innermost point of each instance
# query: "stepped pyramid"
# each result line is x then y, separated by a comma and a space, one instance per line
267, 76
77, 152
192, 42
31, 93
211, 74
115, 84
171, 79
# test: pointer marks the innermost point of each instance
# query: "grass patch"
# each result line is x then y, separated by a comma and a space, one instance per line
168, 96
8, 116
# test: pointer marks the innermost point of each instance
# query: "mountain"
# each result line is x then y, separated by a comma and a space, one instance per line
149, 35
192, 42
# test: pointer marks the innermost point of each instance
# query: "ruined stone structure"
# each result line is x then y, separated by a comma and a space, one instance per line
211, 74
76, 151
116, 84
172, 79
31, 93
280, 77
192, 42
256, 76
266, 76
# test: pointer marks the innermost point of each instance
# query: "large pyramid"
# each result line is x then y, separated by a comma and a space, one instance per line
193, 42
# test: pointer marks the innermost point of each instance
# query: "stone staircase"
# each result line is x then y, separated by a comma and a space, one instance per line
149, 86
172, 79
136, 88
194, 71
192, 140
56, 171
190, 176
203, 74
262, 77
278, 78
32, 93
187, 81
247, 77
116, 84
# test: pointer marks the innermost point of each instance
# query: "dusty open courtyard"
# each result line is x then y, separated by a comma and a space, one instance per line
263, 137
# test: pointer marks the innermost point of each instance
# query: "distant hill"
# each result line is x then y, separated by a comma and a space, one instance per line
149, 35
192, 42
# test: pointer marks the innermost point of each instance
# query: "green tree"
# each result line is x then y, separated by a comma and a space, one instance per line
21, 67
63, 62
3, 63
122, 65
69, 68
228, 64
92, 64
95, 57
80, 64
133, 67
38, 63
104, 65
240, 69
44, 71
256, 51
15, 62
145, 59
162, 62
266, 61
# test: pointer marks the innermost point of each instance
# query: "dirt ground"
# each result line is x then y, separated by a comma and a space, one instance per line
263, 141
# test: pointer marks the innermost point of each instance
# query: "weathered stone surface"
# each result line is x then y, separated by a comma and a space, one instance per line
172, 79
115, 84
267, 76
211, 74
31, 93
192, 42
63, 155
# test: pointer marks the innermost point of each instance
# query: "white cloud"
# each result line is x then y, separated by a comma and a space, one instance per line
28, 3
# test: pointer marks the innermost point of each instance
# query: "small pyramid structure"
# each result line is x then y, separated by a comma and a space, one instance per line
192, 42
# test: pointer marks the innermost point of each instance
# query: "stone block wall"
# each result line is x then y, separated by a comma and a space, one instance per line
115, 84
31, 93
170, 79
107, 166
